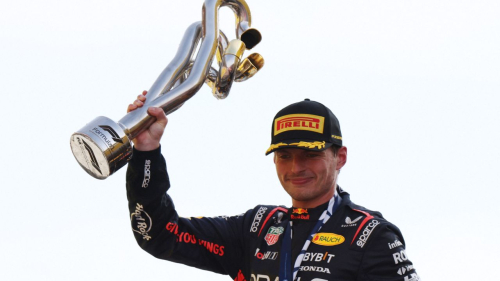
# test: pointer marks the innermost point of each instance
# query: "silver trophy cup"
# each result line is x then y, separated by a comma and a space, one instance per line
103, 146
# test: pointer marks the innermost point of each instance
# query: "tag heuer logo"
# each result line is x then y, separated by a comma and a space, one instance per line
273, 234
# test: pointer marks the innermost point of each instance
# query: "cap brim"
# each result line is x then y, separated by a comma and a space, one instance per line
302, 144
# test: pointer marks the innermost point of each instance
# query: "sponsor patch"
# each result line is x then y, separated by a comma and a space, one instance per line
188, 238
266, 255
318, 257
304, 122
328, 239
141, 222
299, 217
299, 214
147, 173
315, 268
299, 211
404, 269
400, 256
257, 219
350, 222
395, 244
366, 233
273, 234
412, 277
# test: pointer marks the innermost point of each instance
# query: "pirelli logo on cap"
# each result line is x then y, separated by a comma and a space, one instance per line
304, 122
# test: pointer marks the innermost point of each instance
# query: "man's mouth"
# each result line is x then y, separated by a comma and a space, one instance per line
300, 180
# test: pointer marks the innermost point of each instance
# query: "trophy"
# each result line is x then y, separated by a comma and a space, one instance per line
103, 146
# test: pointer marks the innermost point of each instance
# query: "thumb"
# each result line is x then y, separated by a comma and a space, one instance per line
159, 114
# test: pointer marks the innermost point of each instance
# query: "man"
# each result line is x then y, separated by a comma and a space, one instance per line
324, 236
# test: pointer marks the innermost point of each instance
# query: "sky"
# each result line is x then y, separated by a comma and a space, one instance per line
415, 85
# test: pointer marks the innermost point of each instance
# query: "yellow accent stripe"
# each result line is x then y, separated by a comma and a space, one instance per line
273, 146
318, 144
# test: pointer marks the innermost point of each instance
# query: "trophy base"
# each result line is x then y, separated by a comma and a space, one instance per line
101, 147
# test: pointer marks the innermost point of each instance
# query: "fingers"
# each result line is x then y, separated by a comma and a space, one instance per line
139, 102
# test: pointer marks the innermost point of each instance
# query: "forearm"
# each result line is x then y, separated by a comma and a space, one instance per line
207, 243
147, 183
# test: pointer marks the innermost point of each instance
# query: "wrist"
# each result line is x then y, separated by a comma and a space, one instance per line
146, 147
139, 156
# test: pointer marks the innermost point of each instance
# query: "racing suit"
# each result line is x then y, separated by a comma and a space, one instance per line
354, 244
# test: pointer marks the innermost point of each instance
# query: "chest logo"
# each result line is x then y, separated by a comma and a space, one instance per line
299, 214
328, 239
273, 234
349, 221
299, 211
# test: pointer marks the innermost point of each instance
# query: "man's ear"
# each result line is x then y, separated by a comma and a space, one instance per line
341, 157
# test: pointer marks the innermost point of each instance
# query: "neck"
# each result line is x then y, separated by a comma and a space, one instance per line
313, 203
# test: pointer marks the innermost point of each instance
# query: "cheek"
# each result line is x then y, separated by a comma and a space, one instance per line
325, 172
280, 171
332, 175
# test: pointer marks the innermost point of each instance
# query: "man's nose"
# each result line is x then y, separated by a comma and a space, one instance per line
298, 164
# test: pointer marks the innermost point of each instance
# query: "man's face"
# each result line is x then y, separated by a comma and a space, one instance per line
309, 176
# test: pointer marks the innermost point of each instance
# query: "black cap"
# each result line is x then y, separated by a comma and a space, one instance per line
308, 125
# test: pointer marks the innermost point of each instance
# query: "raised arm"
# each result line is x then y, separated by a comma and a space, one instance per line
212, 244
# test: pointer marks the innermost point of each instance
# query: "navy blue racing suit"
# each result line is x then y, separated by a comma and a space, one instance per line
354, 244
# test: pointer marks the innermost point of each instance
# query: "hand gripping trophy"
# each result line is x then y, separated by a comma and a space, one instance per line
103, 146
